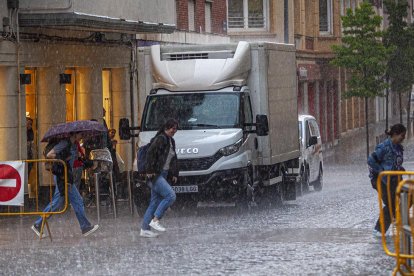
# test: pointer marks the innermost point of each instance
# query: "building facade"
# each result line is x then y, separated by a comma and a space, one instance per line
317, 28
67, 60
321, 86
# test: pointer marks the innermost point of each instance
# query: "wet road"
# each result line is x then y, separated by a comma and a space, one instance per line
321, 233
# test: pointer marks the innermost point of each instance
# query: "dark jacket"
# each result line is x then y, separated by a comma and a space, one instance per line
157, 155
386, 157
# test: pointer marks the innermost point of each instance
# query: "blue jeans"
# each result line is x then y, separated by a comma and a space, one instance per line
75, 200
77, 176
162, 197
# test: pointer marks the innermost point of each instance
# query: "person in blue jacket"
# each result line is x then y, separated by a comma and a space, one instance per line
388, 156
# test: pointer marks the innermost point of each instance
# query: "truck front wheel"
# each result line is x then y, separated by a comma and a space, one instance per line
305, 179
251, 193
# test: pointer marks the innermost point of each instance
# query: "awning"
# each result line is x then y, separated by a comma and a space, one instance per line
75, 20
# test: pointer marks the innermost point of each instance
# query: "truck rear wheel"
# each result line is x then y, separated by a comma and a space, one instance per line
318, 184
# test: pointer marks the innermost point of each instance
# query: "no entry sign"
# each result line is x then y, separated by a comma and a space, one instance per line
11, 185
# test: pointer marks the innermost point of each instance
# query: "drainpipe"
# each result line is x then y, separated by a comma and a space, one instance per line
131, 92
286, 20
19, 115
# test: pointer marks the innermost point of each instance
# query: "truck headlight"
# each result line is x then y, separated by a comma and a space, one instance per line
229, 150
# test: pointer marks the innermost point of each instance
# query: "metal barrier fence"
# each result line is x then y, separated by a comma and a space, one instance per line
402, 218
37, 211
100, 166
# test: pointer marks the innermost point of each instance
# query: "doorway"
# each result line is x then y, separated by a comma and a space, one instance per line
32, 132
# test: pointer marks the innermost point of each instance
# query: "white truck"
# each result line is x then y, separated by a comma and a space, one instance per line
236, 104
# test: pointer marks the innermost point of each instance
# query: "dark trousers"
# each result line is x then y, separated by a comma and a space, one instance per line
387, 203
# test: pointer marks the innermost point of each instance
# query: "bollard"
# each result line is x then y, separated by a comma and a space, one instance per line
98, 203
112, 193
131, 205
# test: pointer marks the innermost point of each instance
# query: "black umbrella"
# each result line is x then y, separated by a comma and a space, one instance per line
64, 130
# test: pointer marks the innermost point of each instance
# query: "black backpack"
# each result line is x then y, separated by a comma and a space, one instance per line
142, 156
62, 155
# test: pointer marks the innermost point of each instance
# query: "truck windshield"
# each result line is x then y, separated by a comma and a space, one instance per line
193, 111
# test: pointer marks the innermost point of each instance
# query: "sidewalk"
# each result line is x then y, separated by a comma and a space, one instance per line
351, 146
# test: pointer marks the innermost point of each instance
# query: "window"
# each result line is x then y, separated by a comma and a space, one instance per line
208, 17
247, 14
247, 110
193, 110
314, 129
325, 16
308, 134
191, 14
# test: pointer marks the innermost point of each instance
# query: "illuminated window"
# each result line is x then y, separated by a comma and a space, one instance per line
70, 97
107, 96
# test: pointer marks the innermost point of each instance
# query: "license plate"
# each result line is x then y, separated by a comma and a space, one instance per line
185, 189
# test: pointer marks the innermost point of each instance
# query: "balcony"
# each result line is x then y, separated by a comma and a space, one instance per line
129, 16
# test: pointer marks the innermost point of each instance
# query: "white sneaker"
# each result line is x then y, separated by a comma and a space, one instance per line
157, 226
148, 234
376, 234
36, 229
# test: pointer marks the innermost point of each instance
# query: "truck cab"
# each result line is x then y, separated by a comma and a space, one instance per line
213, 143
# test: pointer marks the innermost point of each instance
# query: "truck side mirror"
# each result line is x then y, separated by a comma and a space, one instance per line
313, 140
262, 125
124, 131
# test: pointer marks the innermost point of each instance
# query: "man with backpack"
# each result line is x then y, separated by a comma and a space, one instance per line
66, 150
160, 168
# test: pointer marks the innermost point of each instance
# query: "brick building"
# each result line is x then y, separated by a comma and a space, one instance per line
321, 86
197, 21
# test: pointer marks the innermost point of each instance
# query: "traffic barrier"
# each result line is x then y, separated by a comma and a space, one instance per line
403, 218
405, 227
9, 191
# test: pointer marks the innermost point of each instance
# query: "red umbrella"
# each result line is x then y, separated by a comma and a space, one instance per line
64, 130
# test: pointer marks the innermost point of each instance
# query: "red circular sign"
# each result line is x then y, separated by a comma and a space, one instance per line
8, 172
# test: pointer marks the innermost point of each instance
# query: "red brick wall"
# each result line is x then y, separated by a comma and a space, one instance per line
182, 14
218, 15
200, 16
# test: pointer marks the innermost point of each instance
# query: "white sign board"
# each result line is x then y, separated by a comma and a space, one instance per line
11, 183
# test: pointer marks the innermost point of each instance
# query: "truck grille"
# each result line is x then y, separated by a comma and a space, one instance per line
198, 164
197, 55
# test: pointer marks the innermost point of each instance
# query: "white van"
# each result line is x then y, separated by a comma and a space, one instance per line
311, 159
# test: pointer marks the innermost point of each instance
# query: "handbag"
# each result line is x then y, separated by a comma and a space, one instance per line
58, 170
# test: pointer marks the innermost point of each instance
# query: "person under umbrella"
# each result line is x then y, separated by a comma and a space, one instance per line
66, 150
64, 130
